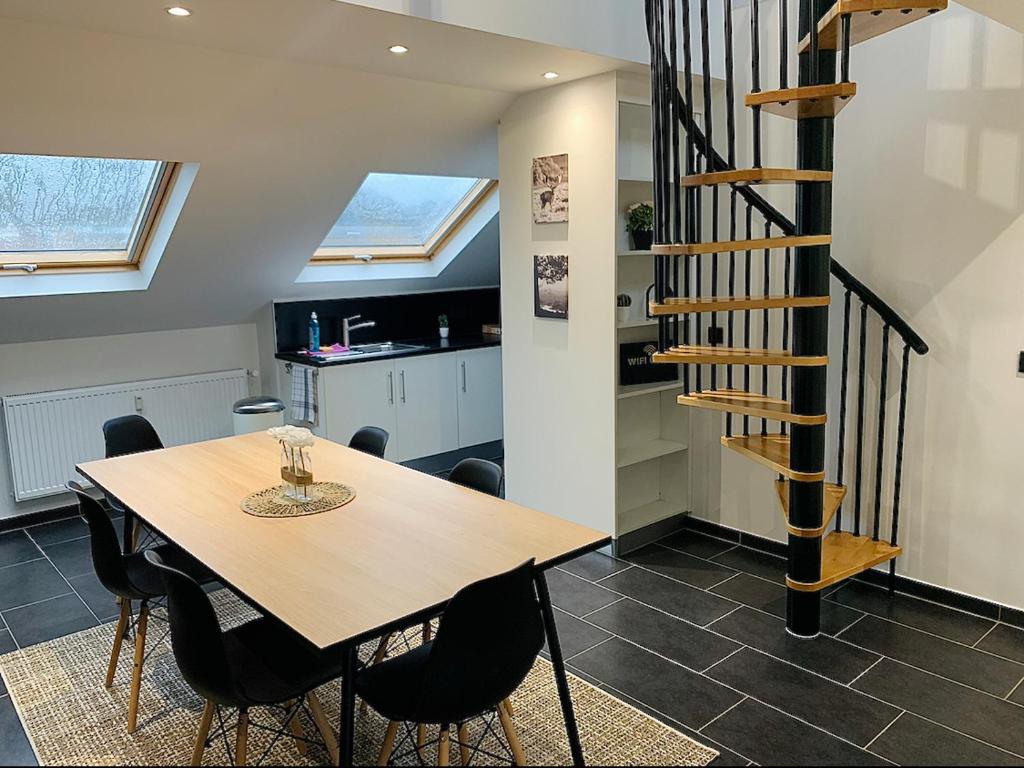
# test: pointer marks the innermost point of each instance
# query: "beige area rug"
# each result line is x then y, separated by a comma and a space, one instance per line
71, 719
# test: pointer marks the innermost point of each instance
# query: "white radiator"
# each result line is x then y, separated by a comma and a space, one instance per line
49, 433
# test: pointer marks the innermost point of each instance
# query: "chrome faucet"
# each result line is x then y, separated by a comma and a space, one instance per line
347, 328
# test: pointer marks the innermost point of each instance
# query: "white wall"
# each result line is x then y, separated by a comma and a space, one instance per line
50, 365
559, 376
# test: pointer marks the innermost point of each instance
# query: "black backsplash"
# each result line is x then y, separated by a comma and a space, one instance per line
399, 318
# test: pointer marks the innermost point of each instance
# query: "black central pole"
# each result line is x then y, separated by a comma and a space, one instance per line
810, 333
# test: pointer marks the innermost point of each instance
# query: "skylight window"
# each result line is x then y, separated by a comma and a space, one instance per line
77, 212
401, 217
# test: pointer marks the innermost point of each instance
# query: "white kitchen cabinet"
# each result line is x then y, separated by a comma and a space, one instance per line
428, 417
360, 395
480, 407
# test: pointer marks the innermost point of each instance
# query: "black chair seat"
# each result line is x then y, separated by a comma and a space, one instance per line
393, 687
147, 580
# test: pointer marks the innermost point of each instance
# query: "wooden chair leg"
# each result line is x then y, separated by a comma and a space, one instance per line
509, 728
421, 742
427, 630
204, 732
508, 707
242, 737
115, 652
295, 726
463, 744
140, 655
389, 743
324, 726
443, 746
378, 656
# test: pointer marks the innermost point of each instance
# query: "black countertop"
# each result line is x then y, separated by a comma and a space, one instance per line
430, 346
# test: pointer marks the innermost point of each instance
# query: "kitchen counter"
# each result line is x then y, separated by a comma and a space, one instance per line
430, 346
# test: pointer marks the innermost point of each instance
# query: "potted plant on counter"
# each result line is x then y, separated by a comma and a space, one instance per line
442, 326
623, 302
640, 225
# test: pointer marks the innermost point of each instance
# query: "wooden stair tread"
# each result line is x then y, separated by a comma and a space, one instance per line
844, 555
747, 404
744, 177
868, 19
701, 355
725, 246
771, 451
681, 306
834, 495
805, 101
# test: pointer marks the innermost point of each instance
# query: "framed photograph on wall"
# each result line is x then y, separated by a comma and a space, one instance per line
551, 189
551, 286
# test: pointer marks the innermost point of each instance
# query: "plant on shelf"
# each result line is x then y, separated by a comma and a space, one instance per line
623, 302
442, 325
640, 225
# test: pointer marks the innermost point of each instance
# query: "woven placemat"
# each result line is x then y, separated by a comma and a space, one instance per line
272, 502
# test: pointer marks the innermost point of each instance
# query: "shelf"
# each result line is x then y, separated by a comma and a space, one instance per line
654, 449
637, 390
637, 324
636, 253
630, 520
636, 181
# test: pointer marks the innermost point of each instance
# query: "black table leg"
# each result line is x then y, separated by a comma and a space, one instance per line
558, 663
348, 708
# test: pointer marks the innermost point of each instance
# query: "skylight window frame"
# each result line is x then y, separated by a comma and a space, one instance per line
448, 228
92, 261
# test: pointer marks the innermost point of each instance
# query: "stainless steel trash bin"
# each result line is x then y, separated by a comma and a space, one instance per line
255, 414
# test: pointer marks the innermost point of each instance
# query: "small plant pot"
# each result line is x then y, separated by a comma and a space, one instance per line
622, 314
443, 332
642, 240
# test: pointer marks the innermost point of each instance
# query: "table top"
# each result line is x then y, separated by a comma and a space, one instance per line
407, 543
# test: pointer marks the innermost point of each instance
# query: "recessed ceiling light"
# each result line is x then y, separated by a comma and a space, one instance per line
398, 49
551, 75
177, 10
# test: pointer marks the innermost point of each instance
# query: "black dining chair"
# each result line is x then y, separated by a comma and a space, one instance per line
371, 440
122, 436
488, 640
129, 578
478, 474
261, 663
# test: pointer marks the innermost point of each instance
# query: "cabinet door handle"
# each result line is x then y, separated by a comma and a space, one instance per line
402, 377
391, 388
463, 375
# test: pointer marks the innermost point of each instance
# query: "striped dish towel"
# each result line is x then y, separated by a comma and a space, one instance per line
304, 400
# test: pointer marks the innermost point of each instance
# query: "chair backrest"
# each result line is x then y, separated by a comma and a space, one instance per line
488, 640
196, 637
478, 474
107, 559
371, 440
130, 434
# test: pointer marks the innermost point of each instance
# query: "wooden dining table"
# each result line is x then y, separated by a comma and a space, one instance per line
387, 560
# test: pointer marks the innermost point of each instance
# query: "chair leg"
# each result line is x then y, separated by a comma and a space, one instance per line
242, 737
443, 746
510, 734
463, 744
324, 726
115, 652
421, 742
507, 703
427, 629
295, 726
378, 656
204, 732
140, 655
389, 743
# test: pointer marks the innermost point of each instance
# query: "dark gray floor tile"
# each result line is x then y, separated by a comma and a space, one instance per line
594, 565
839, 710
692, 699
937, 619
1006, 641
575, 595
692, 570
829, 657
913, 741
772, 738
48, 620
758, 563
575, 636
62, 530
977, 714
30, 582
670, 596
6, 642
96, 596
771, 597
691, 646
16, 548
72, 558
696, 544
957, 662
14, 746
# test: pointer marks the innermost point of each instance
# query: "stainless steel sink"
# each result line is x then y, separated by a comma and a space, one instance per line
363, 351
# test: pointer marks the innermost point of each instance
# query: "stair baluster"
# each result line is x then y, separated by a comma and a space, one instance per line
858, 489
844, 385
898, 477
882, 384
